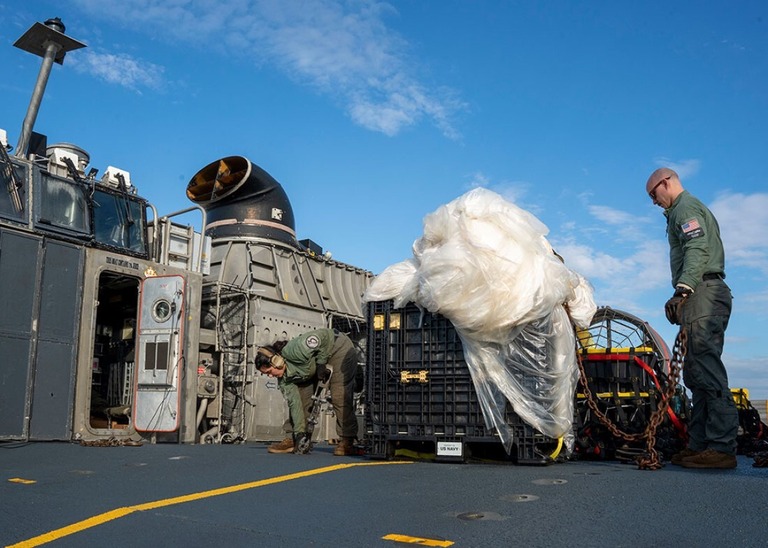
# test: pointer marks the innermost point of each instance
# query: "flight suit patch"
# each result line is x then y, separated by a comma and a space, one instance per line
313, 341
692, 229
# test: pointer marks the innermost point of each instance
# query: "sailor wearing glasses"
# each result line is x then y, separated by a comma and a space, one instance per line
701, 304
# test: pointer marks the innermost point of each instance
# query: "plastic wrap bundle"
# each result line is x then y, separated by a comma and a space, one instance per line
486, 265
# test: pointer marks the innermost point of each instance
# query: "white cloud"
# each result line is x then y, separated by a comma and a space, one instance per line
512, 191
120, 69
643, 268
627, 256
743, 220
624, 220
752, 300
341, 47
626, 267
684, 168
610, 215
479, 179
747, 372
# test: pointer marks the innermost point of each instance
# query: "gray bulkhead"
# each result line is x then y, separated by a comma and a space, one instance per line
40, 292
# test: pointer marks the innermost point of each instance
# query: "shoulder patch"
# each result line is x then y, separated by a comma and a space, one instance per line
313, 341
692, 229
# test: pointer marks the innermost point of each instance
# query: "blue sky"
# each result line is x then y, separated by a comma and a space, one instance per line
374, 114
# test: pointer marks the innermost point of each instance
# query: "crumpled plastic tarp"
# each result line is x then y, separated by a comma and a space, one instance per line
486, 265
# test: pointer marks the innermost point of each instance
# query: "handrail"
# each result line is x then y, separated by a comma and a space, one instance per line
198, 262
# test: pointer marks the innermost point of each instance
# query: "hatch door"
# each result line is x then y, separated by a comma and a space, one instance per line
159, 354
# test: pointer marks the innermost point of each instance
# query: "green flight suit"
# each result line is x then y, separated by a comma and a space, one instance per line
302, 355
697, 260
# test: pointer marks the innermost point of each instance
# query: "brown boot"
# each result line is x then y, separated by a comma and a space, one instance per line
285, 446
677, 458
345, 447
710, 458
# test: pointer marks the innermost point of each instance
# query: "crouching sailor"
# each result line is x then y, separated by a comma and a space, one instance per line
299, 363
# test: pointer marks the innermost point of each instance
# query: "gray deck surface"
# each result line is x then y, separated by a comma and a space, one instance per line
49, 489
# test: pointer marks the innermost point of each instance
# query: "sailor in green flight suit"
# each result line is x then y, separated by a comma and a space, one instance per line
298, 362
702, 305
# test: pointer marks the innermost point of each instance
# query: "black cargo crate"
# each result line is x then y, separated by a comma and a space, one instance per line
420, 395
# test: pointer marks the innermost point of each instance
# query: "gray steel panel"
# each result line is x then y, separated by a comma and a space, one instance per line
14, 372
61, 292
54, 383
18, 280
52, 401
18, 268
264, 421
290, 276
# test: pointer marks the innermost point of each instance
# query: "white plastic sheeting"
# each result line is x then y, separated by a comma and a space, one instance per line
486, 265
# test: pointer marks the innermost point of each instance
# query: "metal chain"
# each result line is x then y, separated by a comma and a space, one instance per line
112, 441
649, 461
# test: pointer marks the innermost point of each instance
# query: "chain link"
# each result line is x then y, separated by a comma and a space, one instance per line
650, 460
112, 441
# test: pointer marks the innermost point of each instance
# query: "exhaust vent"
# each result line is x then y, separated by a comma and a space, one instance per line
242, 200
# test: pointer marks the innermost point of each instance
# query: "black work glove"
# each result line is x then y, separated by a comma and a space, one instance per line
674, 307
323, 373
301, 443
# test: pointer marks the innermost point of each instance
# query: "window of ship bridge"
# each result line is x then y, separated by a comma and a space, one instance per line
118, 221
64, 205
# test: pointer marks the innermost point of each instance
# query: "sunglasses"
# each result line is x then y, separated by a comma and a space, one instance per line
652, 193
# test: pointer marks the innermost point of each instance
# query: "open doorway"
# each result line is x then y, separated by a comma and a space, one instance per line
112, 373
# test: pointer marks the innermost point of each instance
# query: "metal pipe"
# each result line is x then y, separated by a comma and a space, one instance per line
49, 42
210, 435
201, 412
51, 49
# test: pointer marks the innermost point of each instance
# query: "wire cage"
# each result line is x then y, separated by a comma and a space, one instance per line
625, 372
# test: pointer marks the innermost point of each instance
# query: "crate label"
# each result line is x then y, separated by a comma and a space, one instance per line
449, 449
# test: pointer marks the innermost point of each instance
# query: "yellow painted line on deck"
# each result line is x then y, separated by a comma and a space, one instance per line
22, 480
417, 540
121, 512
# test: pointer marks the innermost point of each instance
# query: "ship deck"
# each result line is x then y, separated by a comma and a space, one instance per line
65, 494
